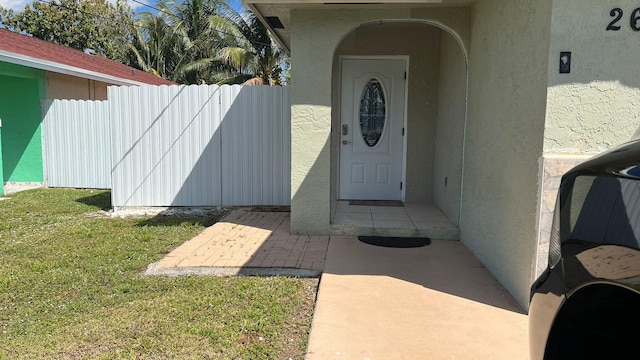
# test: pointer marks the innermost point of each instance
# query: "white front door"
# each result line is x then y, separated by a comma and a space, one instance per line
371, 129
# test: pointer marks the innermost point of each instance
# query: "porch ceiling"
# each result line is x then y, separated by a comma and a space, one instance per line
282, 10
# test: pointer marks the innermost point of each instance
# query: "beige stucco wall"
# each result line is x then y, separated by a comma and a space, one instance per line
593, 108
312, 53
421, 43
504, 137
61, 86
596, 106
449, 141
522, 118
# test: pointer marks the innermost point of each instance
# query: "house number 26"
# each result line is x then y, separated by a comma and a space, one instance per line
617, 14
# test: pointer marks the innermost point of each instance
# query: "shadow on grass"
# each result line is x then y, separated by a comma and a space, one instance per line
100, 201
179, 217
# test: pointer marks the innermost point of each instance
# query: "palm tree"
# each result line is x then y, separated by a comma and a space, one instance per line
205, 41
173, 43
154, 47
252, 51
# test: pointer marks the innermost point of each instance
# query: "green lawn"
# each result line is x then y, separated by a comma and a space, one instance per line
71, 287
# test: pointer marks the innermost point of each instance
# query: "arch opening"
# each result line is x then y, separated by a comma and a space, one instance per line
434, 107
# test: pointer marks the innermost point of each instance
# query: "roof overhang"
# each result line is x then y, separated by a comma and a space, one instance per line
281, 9
32, 62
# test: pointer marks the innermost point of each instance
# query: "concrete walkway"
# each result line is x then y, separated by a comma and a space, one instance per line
433, 302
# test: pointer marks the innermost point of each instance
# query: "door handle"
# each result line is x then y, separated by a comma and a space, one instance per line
345, 142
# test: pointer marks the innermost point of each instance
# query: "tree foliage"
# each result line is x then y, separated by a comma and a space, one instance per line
205, 41
187, 41
99, 25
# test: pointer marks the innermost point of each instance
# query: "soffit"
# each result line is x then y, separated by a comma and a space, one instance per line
282, 10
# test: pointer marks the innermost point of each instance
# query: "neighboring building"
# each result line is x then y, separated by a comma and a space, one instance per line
493, 108
32, 70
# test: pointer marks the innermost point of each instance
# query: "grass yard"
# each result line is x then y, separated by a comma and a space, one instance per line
71, 287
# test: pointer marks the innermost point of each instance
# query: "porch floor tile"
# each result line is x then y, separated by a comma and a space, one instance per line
412, 219
356, 219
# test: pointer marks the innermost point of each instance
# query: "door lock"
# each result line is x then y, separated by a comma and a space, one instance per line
345, 129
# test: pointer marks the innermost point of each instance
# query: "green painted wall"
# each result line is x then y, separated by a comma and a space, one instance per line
22, 72
1, 172
21, 89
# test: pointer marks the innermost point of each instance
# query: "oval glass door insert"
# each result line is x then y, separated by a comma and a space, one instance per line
372, 112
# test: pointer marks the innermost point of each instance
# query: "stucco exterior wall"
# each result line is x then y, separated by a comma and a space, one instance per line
312, 53
61, 86
452, 87
594, 107
421, 43
504, 137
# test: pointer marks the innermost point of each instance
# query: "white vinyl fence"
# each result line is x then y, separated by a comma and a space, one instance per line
76, 144
200, 145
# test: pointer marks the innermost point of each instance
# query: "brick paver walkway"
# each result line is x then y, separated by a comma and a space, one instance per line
247, 239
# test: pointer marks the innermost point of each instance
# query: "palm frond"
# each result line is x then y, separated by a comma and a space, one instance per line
192, 41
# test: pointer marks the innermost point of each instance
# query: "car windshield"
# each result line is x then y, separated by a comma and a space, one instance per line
603, 210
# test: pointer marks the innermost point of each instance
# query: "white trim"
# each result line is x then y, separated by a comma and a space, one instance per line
32, 62
406, 59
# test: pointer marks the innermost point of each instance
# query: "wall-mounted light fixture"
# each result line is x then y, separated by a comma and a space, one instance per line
565, 62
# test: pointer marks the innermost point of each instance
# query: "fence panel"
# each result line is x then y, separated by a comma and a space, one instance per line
200, 145
256, 145
76, 144
166, 146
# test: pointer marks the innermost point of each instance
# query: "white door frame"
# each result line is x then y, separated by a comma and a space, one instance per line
403, 192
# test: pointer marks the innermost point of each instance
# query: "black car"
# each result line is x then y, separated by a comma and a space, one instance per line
586, 304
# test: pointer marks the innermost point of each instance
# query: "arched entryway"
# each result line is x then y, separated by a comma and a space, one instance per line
420, 69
